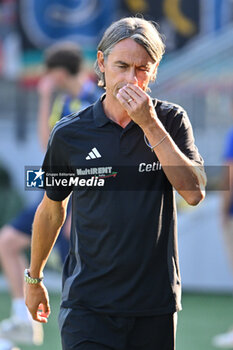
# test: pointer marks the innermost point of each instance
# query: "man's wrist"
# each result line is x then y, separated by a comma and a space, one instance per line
151, 123
32, 280
154, 129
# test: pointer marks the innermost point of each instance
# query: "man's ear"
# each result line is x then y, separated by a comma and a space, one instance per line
100, 59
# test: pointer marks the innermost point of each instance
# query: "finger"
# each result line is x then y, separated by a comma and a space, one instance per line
40, 319
126, 96
136, 89
44, 309
36, 316
129, 98
42, 313
123, 102
132, 94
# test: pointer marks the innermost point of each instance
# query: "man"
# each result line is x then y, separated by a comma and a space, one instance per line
121, 283
64, 75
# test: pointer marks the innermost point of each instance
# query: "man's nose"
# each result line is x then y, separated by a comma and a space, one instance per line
132, 77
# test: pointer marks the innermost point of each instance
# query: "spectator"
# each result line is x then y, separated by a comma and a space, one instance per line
65, 75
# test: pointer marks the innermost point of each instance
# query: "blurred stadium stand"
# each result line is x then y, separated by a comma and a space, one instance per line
200, 78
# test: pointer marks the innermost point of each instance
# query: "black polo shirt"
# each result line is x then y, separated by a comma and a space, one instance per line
123, 258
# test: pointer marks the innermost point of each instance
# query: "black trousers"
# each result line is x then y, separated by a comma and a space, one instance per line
86, 330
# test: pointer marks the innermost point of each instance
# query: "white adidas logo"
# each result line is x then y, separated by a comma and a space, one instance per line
93, 154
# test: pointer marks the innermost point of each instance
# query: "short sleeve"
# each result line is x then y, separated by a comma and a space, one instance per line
182, 133
228, 150
56, 162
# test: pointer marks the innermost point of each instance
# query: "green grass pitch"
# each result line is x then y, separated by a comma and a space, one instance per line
202, 317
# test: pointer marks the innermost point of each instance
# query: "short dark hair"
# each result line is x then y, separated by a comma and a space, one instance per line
64, 55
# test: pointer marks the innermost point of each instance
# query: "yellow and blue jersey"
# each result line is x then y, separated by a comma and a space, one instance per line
66, 104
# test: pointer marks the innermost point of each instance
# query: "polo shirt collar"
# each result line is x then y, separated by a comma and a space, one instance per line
99, 115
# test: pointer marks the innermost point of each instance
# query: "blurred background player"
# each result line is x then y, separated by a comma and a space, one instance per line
65, 75
225, 340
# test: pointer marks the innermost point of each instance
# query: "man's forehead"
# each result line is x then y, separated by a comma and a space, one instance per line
128, 51
134, 61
